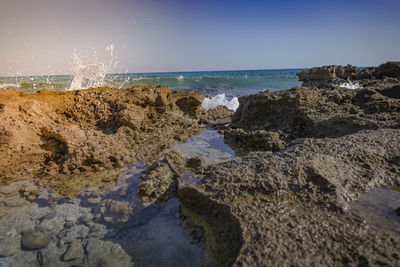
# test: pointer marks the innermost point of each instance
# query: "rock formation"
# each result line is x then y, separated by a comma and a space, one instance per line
65, 134
309, 152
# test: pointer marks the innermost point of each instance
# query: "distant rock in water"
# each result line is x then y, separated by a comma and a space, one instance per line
333, 75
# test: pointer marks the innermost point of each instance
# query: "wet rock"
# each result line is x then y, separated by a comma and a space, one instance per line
34, 240
195, 163
160, 181
74, 251
69, 225
94, 201
9, 246
86, 218
104, 253
116, 211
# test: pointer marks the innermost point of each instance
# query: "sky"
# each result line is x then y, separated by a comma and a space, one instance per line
40, 36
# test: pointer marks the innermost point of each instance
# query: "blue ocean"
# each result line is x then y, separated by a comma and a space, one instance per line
231, 83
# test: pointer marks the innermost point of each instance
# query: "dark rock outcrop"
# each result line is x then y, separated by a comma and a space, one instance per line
268, 120
331, 76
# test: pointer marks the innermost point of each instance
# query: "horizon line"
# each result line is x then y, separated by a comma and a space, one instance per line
158, 72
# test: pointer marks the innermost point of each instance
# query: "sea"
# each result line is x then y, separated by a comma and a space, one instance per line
231, 83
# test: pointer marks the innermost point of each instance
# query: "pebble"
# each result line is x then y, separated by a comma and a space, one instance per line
86, 218
15, 201
94, 200
70, 219
108, 219
74, 251
34, 240
9, 189
69, 225
9, 247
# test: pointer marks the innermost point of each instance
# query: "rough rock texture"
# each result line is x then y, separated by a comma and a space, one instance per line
217, 117
310, 151
333, 75
64, 134
268, 120
161, 179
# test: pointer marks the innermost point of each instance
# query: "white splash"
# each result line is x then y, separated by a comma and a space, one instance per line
220, 100
9, 86
92, 74
180, 78
350, 85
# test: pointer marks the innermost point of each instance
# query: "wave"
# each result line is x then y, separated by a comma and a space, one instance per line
5, 86
350, 85
220, 100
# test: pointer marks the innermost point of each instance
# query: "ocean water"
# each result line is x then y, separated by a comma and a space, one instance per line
231, 83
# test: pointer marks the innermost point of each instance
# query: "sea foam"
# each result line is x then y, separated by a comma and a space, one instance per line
220, 100
350, 85
9, 86
92, 74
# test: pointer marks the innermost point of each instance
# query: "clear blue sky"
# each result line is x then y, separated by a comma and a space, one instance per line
39, 37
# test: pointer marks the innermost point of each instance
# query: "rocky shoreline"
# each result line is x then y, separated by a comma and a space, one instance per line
307, 153
303, 156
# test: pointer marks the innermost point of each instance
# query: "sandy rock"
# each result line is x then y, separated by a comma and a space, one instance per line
67, 135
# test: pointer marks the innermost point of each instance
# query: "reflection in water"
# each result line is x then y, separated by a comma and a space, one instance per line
209, 145
112, 226
378, 207
150, 234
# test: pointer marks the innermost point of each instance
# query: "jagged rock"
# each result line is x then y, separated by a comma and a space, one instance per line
217, 117
195, 163
310, 112
326, 75
159, 183
388, 69
67, 135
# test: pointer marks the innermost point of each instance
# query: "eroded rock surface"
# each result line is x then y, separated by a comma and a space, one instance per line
311, 150
269, 120
64, 134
